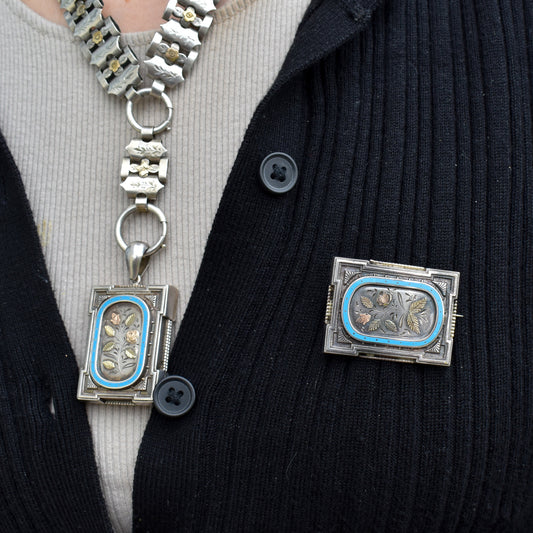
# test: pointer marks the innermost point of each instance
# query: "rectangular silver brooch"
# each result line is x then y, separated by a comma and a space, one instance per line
391, 311
129, 343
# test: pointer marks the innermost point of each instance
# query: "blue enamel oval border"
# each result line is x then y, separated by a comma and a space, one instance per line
399, 283
142, 352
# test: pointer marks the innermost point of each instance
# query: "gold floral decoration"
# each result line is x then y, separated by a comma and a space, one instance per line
172, 54
384, 299
114, 65
97, 37
189, 15
80, 9
132, 336
363, 318
144, 168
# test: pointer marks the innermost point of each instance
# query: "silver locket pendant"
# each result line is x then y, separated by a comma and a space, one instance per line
129, 343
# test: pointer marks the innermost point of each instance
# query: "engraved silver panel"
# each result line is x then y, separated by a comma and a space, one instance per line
111, 47
88, 23
135, 185
174, 32
120, 341
392, 314
153, 150
170, 75
202, 7
120, 85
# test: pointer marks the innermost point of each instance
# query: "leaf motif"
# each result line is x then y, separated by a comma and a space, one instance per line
130, 319
389, 324
152, 150
400, 323
130, 352
174, 32
110, 332
417, 305
108, 346
412, 322
108, 364
171, 75
367, 302
130, 76
374, 324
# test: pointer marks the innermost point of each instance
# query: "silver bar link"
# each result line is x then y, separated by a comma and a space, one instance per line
174, 49
118, 68
144, 169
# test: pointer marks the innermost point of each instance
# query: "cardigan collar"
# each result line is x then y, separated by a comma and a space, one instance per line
326, 26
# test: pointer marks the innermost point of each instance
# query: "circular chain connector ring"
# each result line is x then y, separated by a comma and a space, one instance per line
139, 127
133, 209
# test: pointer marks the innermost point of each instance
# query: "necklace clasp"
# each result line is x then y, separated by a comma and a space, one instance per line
133, 96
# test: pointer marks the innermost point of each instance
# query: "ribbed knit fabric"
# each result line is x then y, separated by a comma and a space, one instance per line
411, 124
69, 155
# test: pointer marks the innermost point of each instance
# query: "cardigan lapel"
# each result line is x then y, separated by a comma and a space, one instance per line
47, 456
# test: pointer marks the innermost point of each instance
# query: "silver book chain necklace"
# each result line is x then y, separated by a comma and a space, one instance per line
131, 325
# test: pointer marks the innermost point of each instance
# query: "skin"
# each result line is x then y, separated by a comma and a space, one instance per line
130, 15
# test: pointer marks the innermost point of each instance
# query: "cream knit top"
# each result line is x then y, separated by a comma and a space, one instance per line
67, 137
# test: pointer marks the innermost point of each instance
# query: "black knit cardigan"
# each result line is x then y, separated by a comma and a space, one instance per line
411, 124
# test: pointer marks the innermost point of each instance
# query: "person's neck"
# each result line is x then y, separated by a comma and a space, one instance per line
130, 15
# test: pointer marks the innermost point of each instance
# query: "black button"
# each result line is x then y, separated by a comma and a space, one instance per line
278, 172
174, 396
